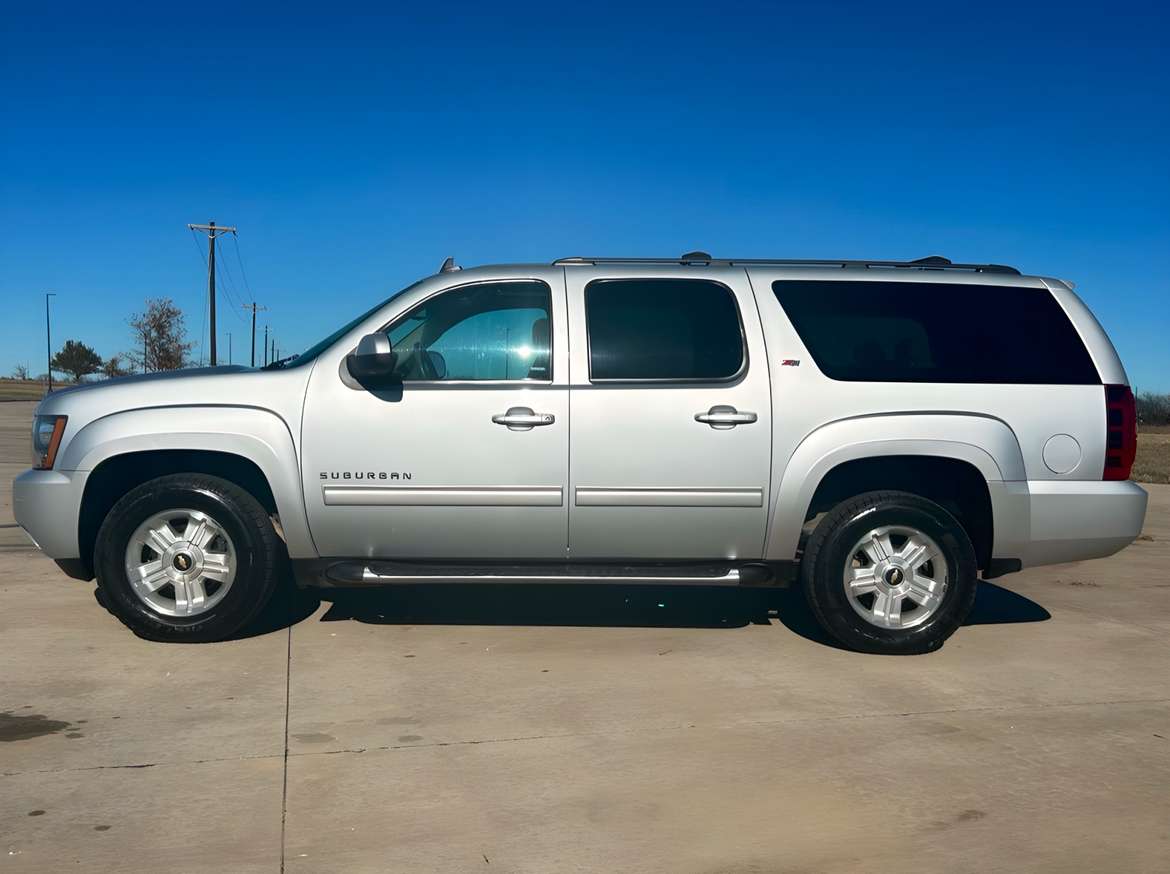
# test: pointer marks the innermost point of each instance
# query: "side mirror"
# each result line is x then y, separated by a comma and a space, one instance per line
373, 359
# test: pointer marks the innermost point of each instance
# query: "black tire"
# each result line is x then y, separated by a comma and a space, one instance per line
256, 549
828, 554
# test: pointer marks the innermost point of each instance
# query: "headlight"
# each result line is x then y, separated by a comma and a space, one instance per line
46, 437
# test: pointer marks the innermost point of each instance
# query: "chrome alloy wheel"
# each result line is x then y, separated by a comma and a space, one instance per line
896, 578
180, 562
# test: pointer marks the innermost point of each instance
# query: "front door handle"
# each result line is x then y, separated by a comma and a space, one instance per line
722, 417
523, 419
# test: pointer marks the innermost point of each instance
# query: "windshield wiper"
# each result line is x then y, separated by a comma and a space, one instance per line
281, 363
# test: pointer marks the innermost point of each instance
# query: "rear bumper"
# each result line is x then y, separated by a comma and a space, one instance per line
47, 503
1051, 522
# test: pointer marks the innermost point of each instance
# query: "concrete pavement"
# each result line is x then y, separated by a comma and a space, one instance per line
564, 729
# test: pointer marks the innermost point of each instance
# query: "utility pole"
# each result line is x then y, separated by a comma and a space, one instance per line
212, 232
253, 308
49, 339
265, 345
229, 347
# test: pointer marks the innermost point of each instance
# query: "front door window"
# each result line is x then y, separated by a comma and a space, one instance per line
491, 331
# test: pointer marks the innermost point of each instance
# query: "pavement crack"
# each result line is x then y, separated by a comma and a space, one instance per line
1116, 619
137, 765
287, 700
494, 740
797, 721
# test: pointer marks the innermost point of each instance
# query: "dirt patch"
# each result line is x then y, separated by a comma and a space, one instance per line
14, 727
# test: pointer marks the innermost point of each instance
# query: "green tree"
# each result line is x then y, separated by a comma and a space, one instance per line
76, 359
160, 337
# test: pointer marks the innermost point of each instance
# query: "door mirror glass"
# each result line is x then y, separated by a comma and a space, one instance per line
374, 358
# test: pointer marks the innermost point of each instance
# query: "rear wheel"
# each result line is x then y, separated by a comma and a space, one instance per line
187, 557
890, 572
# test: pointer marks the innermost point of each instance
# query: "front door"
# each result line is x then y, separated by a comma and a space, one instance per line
671, 416
470, 459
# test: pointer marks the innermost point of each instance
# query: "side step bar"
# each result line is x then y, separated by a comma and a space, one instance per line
376, 573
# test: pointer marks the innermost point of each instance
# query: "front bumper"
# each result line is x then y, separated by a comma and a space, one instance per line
47, 504
1044, 522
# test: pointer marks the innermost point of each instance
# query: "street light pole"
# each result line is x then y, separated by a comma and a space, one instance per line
229, 333
49, 339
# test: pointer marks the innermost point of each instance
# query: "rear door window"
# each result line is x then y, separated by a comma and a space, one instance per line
935, 332
662, 329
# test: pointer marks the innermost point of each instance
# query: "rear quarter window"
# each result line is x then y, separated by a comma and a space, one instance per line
935, 332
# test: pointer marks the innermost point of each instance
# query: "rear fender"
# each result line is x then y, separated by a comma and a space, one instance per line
986, 443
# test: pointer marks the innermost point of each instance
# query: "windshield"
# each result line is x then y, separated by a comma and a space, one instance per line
317, 348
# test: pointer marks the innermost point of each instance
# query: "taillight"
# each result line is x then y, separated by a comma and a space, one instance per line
1121, 436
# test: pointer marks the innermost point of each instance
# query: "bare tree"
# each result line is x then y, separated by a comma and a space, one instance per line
160, 337
115, 366
1153, 408
20, 371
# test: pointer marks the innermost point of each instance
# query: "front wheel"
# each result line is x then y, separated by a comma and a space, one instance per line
187, 557
890, 573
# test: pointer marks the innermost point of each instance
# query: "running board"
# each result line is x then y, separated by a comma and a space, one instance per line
376, 573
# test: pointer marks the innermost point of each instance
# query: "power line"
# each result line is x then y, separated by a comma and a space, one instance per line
236, 240
222, 266
202, 331
202, 321
227, 297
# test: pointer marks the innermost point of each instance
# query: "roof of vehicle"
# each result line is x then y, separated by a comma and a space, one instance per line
933, 262
702, 259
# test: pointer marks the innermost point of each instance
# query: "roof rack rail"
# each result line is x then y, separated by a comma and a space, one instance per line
933, 262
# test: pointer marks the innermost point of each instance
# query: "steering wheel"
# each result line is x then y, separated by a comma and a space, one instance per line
426, 367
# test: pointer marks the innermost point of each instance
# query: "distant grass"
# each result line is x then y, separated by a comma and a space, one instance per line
1153, 455
22, 389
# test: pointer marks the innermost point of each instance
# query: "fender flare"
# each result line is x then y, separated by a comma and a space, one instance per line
984, 442
255, 434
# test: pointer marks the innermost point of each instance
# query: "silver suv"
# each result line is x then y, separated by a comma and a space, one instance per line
880, 431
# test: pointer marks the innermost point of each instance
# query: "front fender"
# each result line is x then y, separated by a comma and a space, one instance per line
986, 443
258, 435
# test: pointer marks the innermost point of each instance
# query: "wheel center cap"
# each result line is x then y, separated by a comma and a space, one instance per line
183, 562
894, 576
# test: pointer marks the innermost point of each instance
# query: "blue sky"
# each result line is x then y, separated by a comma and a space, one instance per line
356, 145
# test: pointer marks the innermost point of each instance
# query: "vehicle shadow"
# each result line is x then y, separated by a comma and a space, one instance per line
589, 606
995, 605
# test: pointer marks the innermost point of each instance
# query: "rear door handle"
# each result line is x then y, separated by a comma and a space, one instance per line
723, 417
523, 419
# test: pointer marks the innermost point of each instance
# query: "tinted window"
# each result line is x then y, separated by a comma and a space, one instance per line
492, 331
931, 332
662, 329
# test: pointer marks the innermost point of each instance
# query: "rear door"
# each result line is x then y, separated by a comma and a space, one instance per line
671, 417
